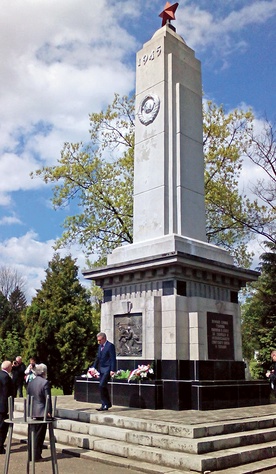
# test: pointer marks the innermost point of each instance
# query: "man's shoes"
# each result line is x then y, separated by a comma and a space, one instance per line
37, 458
102, 408
2, 451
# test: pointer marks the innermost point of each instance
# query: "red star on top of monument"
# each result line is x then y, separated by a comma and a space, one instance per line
168, 12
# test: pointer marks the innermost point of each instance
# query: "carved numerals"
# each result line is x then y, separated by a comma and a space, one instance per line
155, 53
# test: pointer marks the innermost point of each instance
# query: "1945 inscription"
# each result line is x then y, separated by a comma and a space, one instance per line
155, 53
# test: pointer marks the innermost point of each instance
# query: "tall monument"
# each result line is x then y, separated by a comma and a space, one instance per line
170, 298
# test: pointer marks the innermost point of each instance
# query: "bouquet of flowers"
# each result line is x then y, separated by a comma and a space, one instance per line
142, 372
91, 374
121, 374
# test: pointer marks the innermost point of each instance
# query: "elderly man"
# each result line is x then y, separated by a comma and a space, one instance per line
6, 391
39, 388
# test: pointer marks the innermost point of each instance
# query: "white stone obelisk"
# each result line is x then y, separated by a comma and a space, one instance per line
169, 206
169, 166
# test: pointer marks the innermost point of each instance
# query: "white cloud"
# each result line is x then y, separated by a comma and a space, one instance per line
10, 220
30, 257
215, 26
59, 61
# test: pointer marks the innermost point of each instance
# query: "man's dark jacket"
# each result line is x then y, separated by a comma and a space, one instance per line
6, 391
106, 359
39, 388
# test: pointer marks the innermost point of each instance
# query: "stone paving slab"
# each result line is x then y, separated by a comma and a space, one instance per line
187, 417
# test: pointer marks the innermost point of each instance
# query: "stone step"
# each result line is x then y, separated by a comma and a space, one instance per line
170, 428
171, 443
164, 441
218, 460
147, 468
250, 468
117, 461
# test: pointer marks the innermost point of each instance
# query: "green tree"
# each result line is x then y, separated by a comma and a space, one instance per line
259, 312
262, 153
232, 218
59, 326
13, 322
4, 308
11, 346
100, 177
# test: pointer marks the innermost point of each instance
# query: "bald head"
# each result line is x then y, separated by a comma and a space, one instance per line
6, 365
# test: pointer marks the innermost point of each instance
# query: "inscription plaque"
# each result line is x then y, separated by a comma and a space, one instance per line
220, 336
128, 335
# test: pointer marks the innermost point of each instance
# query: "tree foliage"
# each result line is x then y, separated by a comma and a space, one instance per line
12, 322
99, 176
59, 325
232, 218
10, 279
259, 312
262, 153
11, 346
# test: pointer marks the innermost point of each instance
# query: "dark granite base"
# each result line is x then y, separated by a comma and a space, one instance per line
146, 394
177, 394
189, 369
214, 395
201, 369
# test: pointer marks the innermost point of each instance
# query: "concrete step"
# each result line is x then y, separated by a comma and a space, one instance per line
160, 457
147, 468
167, 442
140, 466
165, 445
170, 428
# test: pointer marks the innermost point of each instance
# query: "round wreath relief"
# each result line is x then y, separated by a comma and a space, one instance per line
148, 109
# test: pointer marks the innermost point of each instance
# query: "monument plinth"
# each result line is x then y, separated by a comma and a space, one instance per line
171, 298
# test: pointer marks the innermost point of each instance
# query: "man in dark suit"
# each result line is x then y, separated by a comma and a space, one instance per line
18, 372
6, 391
105, 363
18, 375
39, 388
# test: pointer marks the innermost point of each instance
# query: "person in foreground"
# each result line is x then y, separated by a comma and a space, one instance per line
39, 388
271, 374
105, 363
6, 391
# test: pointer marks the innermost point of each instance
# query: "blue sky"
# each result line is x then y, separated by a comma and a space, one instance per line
61, 60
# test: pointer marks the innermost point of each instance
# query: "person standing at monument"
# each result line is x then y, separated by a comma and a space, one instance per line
271, 374
105, 364
38, 390
6, 391
18, 371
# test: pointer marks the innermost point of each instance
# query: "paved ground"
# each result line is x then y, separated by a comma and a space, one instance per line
66, 464
71, 465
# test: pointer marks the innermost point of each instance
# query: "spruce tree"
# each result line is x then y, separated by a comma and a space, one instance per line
60, 330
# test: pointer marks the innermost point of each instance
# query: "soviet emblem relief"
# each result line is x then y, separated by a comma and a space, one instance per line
148, 109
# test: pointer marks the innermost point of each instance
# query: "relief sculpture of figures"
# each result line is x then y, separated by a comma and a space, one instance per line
128, 336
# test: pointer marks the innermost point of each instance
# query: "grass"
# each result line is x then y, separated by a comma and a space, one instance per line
54, 391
